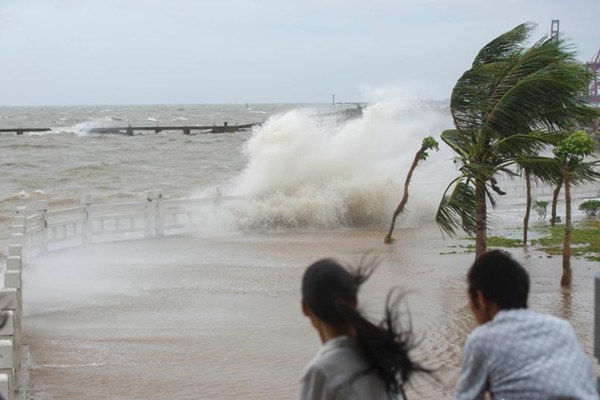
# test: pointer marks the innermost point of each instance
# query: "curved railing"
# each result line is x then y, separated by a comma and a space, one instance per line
46, 229
37, 230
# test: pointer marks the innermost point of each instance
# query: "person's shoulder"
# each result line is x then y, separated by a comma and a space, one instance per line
549, 320
526, 322
502, 324
480, 337
337, 357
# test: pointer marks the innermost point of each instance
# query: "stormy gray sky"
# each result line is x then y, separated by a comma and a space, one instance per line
68, 52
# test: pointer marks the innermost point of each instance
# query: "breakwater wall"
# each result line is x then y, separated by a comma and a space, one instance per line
131, 130
36, 230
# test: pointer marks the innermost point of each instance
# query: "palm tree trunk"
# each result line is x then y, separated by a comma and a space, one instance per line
554, 201
388, 238
528, 208
480, 218
567, 274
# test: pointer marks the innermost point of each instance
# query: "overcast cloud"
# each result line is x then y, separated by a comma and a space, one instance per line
250, 51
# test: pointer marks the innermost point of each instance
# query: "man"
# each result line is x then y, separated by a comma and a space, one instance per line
517, 353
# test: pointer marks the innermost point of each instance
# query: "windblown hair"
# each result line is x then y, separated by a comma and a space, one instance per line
330, 291
500, 279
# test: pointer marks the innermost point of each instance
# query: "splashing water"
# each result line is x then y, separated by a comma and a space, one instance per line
305, 170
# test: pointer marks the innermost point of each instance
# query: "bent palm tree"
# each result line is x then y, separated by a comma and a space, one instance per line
427, 144
506, 108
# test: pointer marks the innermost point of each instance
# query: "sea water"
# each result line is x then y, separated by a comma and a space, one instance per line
216, 315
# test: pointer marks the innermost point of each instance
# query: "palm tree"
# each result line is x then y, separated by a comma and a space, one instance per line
529, 175
555, 194
542, 170
570, 153
506, 108
427, 144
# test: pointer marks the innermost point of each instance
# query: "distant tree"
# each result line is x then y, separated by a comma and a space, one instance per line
541, 208
590, 207
570, 154
506, 108
428, 143
541, 170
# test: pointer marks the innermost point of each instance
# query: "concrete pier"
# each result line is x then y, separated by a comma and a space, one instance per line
20, 131
130, 130
187, 129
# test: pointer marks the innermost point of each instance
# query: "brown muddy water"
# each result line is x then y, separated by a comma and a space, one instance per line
217, 315
197, 318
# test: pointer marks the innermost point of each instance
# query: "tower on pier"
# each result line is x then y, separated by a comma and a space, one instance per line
594, 66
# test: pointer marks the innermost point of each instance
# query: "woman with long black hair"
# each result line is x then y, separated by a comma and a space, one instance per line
359, 359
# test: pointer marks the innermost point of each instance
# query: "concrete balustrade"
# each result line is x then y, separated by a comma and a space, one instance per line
11, 304
39, 229
597, 321
15, 250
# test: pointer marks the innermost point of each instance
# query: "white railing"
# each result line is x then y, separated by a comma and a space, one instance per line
88, 223
11, 300
41, 230
597, 323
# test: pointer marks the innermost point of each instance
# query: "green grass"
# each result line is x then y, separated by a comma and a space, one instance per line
498, 241
585, 241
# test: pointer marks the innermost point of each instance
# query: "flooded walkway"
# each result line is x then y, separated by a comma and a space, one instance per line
191, 318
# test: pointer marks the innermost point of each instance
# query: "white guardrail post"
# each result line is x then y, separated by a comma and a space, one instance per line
43, 210
20, 219
86, 224
160, 217
150, 211
11, 304
597, 322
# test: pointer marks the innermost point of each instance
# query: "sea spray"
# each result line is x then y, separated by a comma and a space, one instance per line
309, 171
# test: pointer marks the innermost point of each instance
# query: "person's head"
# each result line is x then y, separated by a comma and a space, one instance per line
329, 299
328, 290
496, 282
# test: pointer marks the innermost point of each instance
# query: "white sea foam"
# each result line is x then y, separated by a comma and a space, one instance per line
23, 194
308, 171
52, 131
83, 128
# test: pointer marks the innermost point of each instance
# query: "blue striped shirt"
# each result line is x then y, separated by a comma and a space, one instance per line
524, 355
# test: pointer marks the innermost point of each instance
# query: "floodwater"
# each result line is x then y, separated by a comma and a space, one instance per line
190, 318
216, 314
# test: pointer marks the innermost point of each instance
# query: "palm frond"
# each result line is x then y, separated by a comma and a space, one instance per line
457, 209
484, 171
545, 77
469, 102
490, 196
543, 169
457, 142
585, 172
519, 145
504, 45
